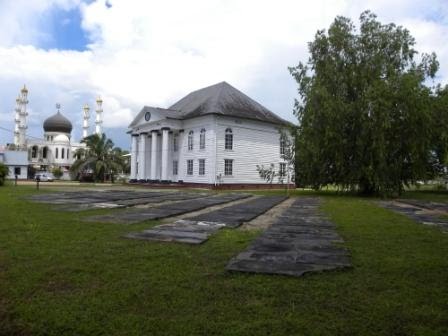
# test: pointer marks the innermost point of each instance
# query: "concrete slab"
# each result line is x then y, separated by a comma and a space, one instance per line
299, 242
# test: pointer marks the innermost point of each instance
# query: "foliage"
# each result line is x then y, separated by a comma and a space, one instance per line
4, 172
57, 172
440, 132
99, 158
364, 110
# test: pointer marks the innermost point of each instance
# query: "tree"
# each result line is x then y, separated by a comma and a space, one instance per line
99, 157
364, 110
57, 172
4, 171
440, 132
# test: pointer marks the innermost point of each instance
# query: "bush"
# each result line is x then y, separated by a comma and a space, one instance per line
57, 172
4, 171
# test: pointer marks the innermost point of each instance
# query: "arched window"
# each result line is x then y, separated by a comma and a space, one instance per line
45, 152
202, 139
56, 154
228, 139
62, 153
282, 144
68, 151
34, 152
175, 142
190, 140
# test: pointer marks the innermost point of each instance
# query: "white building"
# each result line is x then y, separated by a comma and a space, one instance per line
55, 149
214, 136
16, 161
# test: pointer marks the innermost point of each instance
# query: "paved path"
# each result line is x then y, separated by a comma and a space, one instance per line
166, 210
198, 229
300, 241
424, 212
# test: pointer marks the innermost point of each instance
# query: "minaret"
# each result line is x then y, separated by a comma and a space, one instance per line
99, 117
85, 125
21, 115
17, 123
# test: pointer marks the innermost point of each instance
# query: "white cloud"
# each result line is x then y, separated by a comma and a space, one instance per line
154, 52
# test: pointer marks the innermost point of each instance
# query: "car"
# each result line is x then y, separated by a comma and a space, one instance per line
44, 177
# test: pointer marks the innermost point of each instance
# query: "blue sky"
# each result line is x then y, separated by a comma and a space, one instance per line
65, 31
145, 52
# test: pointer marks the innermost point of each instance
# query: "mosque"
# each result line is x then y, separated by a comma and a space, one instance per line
55, 150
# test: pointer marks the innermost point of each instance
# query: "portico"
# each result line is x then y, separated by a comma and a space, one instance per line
151, 152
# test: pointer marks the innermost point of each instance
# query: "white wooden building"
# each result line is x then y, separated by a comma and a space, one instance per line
214, 136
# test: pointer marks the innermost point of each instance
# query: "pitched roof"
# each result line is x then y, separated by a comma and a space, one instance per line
224, 99
170, 114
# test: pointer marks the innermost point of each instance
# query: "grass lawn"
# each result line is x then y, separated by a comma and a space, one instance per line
61, 276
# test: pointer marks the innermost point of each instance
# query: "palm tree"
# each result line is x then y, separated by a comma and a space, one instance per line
100, 157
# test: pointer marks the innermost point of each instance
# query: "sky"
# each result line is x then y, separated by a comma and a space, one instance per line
142, 52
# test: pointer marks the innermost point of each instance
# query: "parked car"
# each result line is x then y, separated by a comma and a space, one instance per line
44, 177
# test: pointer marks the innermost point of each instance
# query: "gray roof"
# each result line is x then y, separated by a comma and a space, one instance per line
224, 99
57, 123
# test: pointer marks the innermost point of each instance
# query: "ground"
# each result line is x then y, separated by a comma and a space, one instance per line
60, 275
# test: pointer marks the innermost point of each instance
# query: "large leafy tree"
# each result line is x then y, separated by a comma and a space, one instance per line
440, 131
99, 158
364, 110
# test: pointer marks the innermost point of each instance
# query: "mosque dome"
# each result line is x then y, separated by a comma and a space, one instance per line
57, 123
61, 138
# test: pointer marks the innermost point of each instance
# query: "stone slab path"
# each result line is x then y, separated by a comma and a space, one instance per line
198, 229
301, 240
135, 215
424, 212
87, 200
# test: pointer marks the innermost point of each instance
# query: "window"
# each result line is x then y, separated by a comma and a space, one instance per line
34, 152
68, 151
189, 167
228, 167
62, 153
282, 145
56, 153
201, 166
175, 143
202, 139
175, 167
45, 152
17, 171
190, 140
282, 169
228, 139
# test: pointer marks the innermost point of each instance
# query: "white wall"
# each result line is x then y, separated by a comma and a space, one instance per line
195, 125
254, 143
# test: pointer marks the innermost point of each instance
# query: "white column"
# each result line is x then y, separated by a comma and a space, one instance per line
134, 152
154, 155
142, 157
165, 135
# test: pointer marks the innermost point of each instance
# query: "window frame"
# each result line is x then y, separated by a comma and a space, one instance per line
228, 139
202, 138
175, 142
202, 167
175, 167
190, 140
228, 163
190, 171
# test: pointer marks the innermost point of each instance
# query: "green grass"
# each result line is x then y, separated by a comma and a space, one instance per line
62, 276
